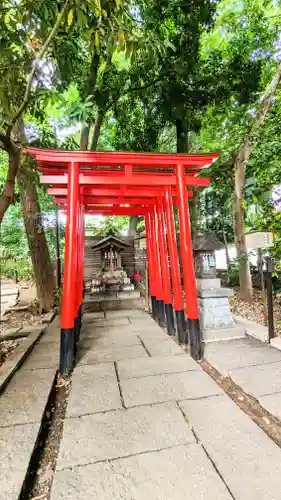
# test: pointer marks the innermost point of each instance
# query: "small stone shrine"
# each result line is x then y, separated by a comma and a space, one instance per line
111, 277
216, 320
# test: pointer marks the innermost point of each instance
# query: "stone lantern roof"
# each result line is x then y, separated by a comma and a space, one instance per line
206, 242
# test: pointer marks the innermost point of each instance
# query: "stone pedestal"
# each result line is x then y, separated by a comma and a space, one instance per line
216, 320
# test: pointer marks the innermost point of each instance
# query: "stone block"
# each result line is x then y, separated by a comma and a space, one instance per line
109, 340
171, 387
276, 342
208, 283
248, 460
272, 403
111, 435
25, 397
226, 356
258, 380
173, 474
94, 389
165, 347
135, 368
229, 333
16, 445
214, 311
114, 353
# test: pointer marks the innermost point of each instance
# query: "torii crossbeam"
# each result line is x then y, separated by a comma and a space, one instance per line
118, 183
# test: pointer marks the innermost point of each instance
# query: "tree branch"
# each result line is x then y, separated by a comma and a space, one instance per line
34, 68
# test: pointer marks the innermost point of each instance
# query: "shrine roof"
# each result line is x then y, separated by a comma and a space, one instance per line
110, 240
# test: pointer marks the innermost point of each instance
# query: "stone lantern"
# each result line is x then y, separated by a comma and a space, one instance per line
216, 320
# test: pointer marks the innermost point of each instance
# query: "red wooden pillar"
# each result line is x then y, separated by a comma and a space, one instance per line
174, 265
187, 265
157, 267
69, 297
151, 276
167, 294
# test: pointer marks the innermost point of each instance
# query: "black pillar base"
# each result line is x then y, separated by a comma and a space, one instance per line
196, 345
154, 307
181, 327
161, 313
170, 319
67, 343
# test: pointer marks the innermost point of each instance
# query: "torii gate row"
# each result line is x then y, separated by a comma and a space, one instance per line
80, 173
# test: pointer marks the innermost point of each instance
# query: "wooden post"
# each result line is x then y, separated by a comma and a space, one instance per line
270, 315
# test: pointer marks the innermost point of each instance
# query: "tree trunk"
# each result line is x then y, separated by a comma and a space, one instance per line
97, 129
7, 195
182, 136
39, 252
240, 165
133, 226
226, 250
246, 289
84, 139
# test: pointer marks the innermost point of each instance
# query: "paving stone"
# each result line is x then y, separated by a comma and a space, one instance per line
112, 321
116, 434
166, 347
42, 360
171, 387
226, 356
90, 316
248, 460
113, 353
94, 389
135, 368
16, 445
139, 325
25, 398
272, 403
93, 331
258, 380
178, 473
109, 339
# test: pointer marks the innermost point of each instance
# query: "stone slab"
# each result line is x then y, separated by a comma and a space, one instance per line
25, 398
113, 353
272, 403
12, 364
165, 347
16, 445
116, 434
276, 342
171, 387
223, 334
258, 380
90, 316
43, 359
91, 330
226, 356
108, 340
94, 389
135, 368
245, 456
112, 321
255, 330
173, 474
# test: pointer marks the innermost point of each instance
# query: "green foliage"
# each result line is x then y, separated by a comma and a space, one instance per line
109, 225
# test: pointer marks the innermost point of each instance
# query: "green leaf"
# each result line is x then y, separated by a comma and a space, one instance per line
70, 17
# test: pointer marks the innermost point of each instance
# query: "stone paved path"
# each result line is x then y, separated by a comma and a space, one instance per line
144, 421
22, 406
254, 366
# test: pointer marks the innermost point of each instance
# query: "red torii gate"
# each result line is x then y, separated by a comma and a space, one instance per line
118, 183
